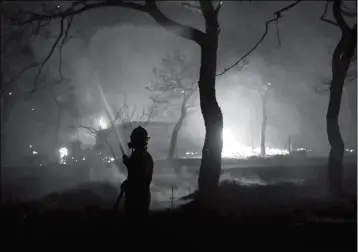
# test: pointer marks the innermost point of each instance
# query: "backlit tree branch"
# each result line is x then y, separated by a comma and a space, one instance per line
35, 21
278, 15
323, 16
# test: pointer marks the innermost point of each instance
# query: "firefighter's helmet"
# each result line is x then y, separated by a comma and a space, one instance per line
139, 137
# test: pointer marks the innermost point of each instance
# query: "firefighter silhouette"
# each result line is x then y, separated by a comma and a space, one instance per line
140, 171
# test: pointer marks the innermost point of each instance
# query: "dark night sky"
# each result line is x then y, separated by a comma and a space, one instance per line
124, 45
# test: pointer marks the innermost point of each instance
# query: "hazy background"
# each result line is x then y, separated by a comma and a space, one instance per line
119, 48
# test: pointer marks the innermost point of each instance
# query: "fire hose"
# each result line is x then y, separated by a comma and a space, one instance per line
123, 189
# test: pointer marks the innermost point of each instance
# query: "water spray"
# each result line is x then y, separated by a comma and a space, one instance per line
110, 115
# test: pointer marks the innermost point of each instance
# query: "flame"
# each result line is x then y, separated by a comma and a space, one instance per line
233, 149
103, 123
63, 154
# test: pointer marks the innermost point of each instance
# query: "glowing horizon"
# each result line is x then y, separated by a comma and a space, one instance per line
233, 149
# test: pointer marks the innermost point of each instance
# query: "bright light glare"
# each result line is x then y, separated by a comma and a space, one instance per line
103, 124
233, 149
63, 151
63, 154
34, 152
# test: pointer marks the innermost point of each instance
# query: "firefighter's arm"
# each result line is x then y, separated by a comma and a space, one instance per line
124, 185
126, 160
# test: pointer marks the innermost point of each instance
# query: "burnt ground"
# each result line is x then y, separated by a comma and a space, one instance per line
179, 229
289, 211
288, 224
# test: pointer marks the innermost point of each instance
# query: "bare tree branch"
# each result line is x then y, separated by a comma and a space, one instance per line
173, 80
73, 10
91, 130
28, 18
65, 37
7, 84
150, 7
179, 29
278, 16
278, 35
104, 138
323, 16
43, 63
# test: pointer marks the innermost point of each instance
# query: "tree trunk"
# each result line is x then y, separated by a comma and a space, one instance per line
340, 63
352, 118
209, 173
263, 125
3, 142
177, 127
174, 137
335, 163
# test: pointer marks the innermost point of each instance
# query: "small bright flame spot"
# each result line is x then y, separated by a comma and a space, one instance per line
72, 158
76, 160
63, 154
33, 109
102, 123
58, 6
34, 152
30, 146
269, 84
10, 93
112, 159
40, 164
83, 158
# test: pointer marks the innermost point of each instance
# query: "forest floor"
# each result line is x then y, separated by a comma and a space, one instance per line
273, 206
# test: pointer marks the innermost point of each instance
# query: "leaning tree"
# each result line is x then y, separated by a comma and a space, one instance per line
341, 60
172, 87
